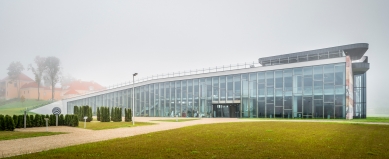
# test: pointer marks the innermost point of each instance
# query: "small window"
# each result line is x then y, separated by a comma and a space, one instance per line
91, 88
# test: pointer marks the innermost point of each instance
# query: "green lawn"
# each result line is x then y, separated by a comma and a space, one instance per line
96, 125
174, 120
373, 119
18, 107
368, 119
10, 135
241, 140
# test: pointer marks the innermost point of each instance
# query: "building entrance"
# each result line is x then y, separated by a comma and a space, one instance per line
226, 110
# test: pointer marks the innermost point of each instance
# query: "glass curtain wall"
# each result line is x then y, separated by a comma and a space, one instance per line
304, 92
359, 96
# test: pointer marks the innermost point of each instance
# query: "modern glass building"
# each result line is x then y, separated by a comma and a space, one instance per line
323, 83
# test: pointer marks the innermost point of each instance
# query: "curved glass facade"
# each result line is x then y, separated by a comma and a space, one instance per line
301, 92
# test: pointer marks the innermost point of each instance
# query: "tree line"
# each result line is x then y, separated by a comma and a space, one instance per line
47, 69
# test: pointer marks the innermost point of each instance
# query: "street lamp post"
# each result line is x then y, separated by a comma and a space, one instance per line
133, 97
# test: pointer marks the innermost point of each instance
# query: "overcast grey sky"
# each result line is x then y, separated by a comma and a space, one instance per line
107, 41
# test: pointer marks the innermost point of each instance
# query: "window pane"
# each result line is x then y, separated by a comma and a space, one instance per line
279, 79
318, 73
328, 73
269, 79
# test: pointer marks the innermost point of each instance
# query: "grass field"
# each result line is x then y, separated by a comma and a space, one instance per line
241, 140
368, 119
96, 125
174, 120
372, 119
18, 107
10, 135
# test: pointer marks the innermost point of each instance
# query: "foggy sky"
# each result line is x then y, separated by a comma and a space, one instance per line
107, 41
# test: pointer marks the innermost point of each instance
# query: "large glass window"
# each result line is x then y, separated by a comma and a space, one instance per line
172, 99
270, 79
278, 79
270, 110
215, 96
184, 96
151, 103
340, 74
178, 98
253, 95
245, 97
307, 107
328, 110
209, 98
318, 73
237, 87
164, 112
190, 111
318, 104
223, 88
288, 80
167, 99
288, 100
329, 73
196, 98
230, 88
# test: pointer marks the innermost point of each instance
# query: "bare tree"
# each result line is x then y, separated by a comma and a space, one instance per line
14, 70
52, 72
66, 80
38, 71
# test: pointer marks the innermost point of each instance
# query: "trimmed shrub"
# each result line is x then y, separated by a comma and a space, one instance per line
74, 121
98, 114
2, 123
61, 120
75, 109
43, 121
21, 121
116, 114
9, 123
82, 111
127, 115
15, 118
52, 120
37, 120
28, 123
105, 114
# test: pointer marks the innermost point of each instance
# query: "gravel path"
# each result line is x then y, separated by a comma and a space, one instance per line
78, 136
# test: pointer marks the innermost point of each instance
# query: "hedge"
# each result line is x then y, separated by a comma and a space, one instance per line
127, 115
105, 114
82, 111
8, 123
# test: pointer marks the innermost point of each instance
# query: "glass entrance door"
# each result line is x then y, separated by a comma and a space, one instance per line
225, 110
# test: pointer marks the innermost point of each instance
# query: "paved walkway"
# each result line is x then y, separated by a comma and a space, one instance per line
76, 136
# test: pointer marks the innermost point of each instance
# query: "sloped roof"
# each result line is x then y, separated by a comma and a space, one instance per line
35, 85
83, 85
72, 91
31, 85
21, 77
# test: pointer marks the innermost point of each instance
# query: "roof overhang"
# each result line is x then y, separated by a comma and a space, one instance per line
355, 51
